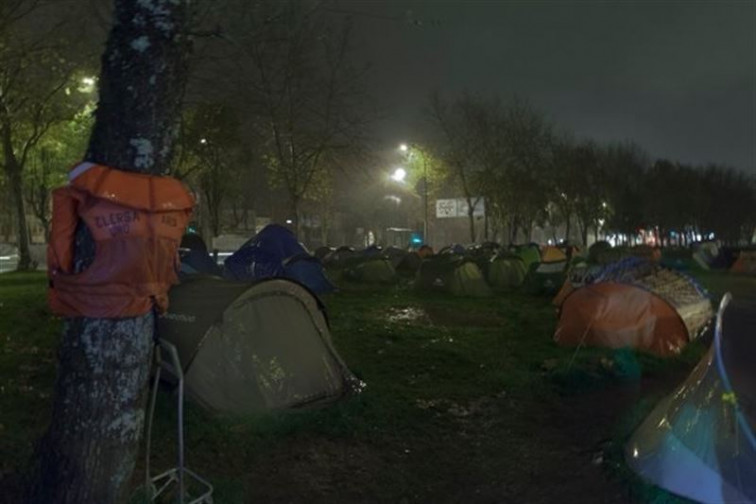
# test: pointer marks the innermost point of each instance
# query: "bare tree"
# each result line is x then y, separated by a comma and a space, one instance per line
296, 71
460, 144
88, 453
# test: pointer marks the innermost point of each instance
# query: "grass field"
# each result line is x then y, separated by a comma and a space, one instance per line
467, 400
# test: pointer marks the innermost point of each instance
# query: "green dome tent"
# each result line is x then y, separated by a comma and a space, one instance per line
249, 348
453, 274
506, 271
529, 254
370, 269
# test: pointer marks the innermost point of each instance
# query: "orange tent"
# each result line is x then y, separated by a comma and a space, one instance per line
619, 315
552, 254
745, 263
636, 304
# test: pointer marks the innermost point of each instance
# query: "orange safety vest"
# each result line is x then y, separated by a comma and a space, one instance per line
137, 222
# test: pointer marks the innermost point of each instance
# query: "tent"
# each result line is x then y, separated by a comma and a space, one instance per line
372, 251
598, 251
308, 271
267, 254
370, 269
547, 276
699, 442
409, 264
530, 254
395, 255
453, 274
505, 271
745, 263
340, 256
248, 348
635, 303
425, 251
579, 274
194, 257
322, 252
454, 248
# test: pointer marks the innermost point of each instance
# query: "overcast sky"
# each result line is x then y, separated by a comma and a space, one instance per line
679, 78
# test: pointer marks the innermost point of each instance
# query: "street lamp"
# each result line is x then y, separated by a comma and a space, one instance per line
399, 175
405, 148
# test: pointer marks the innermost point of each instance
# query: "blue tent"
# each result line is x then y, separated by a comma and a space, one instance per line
272, 253
308, 271
194, 257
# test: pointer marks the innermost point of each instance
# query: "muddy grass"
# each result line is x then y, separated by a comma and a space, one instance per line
466, 401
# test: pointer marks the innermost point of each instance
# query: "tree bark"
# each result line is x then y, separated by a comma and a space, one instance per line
88, 453
22, 231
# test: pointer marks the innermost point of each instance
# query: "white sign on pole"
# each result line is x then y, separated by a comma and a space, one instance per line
458, 207
446, 208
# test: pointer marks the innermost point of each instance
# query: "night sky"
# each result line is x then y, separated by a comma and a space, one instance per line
679, 78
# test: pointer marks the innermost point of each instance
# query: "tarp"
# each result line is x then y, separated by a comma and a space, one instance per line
267, 255
257, 347
699, 442
263, 255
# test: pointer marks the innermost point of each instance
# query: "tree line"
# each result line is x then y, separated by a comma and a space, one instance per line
531, 173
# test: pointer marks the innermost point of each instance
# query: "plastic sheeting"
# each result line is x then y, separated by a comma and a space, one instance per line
699, 441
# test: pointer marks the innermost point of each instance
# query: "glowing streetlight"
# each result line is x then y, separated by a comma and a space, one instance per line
203, 141
403, 147
87, 84
399, 175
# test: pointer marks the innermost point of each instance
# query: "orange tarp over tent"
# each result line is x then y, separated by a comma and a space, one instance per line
618, 315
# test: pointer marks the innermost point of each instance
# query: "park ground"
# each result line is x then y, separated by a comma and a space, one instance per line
466, 400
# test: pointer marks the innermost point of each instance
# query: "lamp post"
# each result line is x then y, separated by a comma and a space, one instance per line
407, 149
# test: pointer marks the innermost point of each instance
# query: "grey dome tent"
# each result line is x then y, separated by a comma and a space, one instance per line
256, 347
699, 442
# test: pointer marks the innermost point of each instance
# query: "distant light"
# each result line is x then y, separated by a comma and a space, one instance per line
417, 240
399, 174
87, 85
289, 221
635, 452
603, 204
203, 141
711, 236
403, 147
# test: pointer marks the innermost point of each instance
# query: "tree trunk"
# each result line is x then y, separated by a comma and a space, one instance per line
471, 217
295, 208
568, 222
88, 453
22, 231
